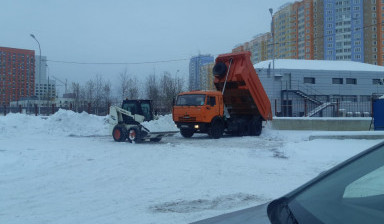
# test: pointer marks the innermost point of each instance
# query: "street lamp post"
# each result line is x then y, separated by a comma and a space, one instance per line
273, 41
38, 96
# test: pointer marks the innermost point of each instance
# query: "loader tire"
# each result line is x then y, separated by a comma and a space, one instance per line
186, 132
219, 69
119, 133
134, 135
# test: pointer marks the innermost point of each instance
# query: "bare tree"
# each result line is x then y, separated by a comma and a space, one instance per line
124, 84
133, 88
89, 89
152, 91
76, 91
170, 87
97, 103
107, 97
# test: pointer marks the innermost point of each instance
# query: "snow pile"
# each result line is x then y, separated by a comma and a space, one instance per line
164, 123
63, 122
20, 124
67, 122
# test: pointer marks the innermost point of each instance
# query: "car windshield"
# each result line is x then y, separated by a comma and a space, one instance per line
352, 194
191, 100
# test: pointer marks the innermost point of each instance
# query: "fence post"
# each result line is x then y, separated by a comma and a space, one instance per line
337, 108
53, 108
89, 108
305, 108
5, 110
35, 109
275, 107
20, 109
70, 106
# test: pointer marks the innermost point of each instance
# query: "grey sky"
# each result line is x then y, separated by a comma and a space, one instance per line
116, 31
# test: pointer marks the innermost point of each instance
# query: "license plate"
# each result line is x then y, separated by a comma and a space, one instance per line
184, 126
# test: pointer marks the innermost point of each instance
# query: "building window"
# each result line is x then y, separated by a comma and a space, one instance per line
351, 81
309, 80
349, 98
377, 82
337, 80
365, 98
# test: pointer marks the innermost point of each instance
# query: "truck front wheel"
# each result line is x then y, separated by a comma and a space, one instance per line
216, 130
186, 132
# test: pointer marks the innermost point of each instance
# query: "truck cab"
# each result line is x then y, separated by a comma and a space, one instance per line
196, 110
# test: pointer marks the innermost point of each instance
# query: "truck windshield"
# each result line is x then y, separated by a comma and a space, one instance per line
191, 100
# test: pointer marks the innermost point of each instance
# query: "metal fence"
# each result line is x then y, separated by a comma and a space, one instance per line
286, 107
305, 108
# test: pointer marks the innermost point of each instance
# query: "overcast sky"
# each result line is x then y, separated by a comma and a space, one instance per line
127, 31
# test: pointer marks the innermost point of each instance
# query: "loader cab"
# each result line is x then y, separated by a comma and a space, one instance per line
140, 107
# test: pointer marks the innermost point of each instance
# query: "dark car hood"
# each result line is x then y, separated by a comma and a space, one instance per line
257, 214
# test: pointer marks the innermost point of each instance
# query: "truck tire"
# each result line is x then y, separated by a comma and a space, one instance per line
216, 130
119, 133
219, 69
256, 127
134, 135
186, 132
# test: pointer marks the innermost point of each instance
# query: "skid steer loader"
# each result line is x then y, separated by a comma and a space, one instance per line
125, 122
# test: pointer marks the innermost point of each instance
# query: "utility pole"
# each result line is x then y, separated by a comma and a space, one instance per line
273, 41
38, 97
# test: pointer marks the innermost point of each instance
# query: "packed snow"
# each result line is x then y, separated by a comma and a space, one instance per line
65, 168
162, 123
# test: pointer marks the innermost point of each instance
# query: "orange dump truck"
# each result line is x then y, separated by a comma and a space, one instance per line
238, 107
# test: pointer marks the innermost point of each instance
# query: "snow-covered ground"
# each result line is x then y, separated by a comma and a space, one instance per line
66, 169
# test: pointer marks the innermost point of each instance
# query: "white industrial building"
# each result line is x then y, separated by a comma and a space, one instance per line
320, 88
44, 86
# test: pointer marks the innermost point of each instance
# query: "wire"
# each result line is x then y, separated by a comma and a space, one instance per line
118, 63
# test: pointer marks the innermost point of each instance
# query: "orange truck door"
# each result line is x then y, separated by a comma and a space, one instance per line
213, 107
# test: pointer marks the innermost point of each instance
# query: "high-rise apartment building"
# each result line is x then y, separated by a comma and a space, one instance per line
284, 29
373, 31
380, 31
262, 47
17, 74
195, 65
343, 32
318, 29
328, 30
206, 78
304, 29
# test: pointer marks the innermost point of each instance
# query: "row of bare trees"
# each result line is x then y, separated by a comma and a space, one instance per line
100, 92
